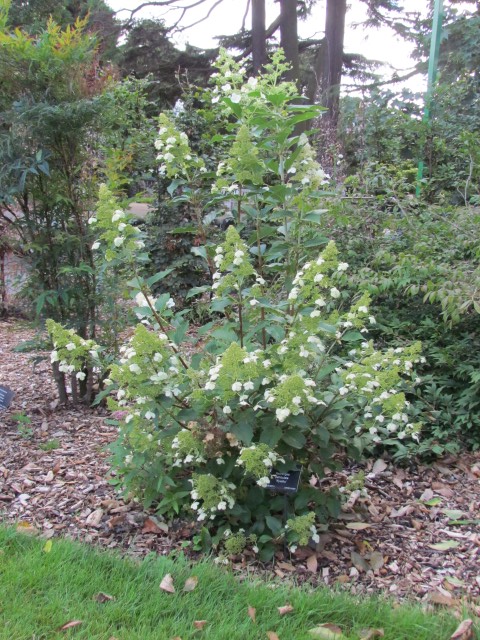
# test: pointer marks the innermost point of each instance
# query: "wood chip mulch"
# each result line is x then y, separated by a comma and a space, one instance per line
412, 533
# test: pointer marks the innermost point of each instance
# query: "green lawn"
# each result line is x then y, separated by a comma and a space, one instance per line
41, 591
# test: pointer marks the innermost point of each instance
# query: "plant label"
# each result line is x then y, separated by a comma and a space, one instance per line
285, 482
6, 396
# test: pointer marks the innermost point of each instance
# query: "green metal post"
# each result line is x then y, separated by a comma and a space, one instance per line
432, 75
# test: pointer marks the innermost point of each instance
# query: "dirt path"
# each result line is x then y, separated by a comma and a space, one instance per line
398, 538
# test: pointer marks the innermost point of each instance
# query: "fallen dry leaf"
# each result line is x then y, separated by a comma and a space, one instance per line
442, 599
28, 528
464, 631
152, 525
95, 518
369, 634
252, 612
199, 624
446, 545
358, 562
379, 466
190, 584
312, 563
327, 631
70, 625
287, 608
358, 526
271, 635
167, 584
103, 597
376, 560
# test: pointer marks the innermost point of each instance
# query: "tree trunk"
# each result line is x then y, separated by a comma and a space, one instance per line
332, 58
259, 41
289, 37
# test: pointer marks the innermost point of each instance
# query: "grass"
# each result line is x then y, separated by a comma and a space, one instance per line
42, 588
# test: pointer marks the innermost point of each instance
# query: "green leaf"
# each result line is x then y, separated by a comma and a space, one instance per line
271, 434
274, 524
194, 291
352, 336
225, 334
180, 332
316, 216
276, 332
294, 438
199, 251
433, 502
453, 514
243, 431
191, 228
158, 276
173, 186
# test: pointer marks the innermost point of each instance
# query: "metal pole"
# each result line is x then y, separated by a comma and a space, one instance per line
432, 75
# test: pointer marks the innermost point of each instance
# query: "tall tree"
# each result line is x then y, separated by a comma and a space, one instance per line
289, 36
332, 59
259, 41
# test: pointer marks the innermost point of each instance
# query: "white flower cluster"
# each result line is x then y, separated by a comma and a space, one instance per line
225, 500
192, 456
261, 466
213, 374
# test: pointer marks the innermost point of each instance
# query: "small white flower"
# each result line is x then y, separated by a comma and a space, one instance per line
237, 386
118, 215
334, 292
253, 302
363, 309
119, 240
170, 303
343, 266
210, 385
248, 386
282, 414
54, 356
293, 295
70, 346
92, 220
80, 375
315, 313
134, 368
149, 415
96, 246
372, 320
319, 277
267, 364
235, 98
263, 482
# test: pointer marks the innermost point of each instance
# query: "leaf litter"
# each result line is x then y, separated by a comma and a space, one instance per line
402, 535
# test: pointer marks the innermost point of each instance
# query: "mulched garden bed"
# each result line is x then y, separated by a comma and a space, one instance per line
415, 534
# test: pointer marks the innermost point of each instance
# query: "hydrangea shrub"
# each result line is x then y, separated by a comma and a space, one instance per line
285, 375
